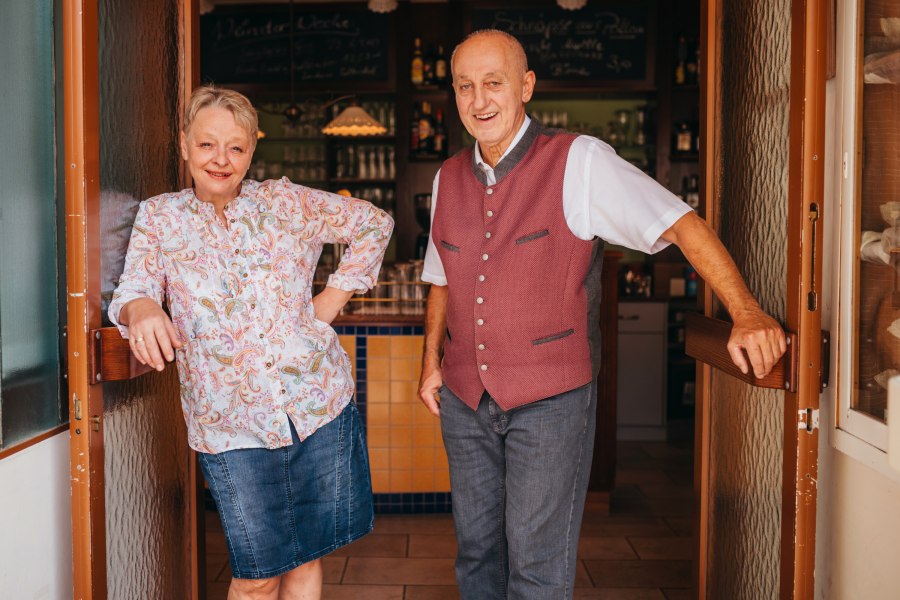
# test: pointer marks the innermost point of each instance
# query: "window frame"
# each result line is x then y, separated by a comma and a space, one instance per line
853, 432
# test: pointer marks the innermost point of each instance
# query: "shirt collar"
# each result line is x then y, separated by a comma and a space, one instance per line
233, 208
480, 162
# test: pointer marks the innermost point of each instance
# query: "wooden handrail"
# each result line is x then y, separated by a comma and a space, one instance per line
706, 340
110, 357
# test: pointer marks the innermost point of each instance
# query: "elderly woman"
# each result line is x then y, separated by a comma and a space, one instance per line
265, 386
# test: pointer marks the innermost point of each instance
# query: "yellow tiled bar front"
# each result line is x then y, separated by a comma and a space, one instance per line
405, 447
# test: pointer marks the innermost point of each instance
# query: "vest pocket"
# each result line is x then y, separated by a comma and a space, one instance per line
553, 338
449, 247
533, 236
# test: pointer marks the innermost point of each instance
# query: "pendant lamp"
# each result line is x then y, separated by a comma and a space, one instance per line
353, 121
571, 4
382, 6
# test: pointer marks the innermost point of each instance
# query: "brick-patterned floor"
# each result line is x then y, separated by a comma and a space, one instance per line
642, 550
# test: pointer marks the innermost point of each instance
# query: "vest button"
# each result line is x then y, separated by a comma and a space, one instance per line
481, 278
484, 367
480, 321
487, 234
490, 191
479, 300
484, 257
490, 213
481, 346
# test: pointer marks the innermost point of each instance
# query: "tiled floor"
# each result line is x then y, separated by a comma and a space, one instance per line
642, 550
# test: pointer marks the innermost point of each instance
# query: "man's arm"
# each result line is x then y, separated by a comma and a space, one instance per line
754, 330
435, 331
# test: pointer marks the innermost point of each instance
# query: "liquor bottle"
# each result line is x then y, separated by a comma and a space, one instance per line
440, 67
426, 130
691, 66
414, 131
428, 66
417, 67
681, 65
692, 192
440, 134
684, 138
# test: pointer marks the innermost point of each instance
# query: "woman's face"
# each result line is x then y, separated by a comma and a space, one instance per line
218, 153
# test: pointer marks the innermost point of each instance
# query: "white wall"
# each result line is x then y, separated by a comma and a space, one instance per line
36, 522
857, 532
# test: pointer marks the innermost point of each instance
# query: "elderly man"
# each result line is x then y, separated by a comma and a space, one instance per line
512, 341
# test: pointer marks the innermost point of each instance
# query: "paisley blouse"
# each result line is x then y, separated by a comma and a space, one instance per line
254, 356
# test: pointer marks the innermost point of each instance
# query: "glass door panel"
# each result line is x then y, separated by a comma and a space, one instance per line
876, 210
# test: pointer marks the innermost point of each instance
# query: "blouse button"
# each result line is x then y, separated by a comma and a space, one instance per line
490, 213
261, 336
268, 365
490, 191
237, 250
481, 346
479, 300
484, 367
480, 321
487, 234
484, 257
481, 278
252, 305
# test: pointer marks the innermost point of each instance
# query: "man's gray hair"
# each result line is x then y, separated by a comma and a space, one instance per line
513, 42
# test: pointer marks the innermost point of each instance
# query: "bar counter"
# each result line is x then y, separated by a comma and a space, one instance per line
406, 454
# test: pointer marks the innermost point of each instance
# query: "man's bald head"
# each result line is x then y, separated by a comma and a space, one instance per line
517, 52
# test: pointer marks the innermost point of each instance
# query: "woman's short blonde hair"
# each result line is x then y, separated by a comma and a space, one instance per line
210, 96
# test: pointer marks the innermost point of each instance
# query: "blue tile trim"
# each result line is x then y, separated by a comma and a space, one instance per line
413, 503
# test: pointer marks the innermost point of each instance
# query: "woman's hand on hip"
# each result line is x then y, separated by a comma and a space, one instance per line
328, 303
151, 334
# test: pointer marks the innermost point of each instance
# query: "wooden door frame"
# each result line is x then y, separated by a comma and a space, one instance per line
82, 190
809, 39
806, 180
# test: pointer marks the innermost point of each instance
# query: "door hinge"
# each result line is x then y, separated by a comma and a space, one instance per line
825, 361
77, 403
808, 419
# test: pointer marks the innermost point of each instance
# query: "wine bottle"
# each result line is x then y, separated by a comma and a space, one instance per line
428, 66
426, 130
417, 75
440, 134
681, 66
440, 67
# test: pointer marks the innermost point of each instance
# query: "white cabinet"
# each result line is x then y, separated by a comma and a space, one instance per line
641, 401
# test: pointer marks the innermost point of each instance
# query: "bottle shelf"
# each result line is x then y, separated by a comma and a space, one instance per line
285, 140
426, 157
684, 157
362, 181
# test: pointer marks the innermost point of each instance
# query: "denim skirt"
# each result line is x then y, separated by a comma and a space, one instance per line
285, 507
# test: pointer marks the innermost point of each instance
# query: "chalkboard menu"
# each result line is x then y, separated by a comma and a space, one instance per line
606, 42
252, 45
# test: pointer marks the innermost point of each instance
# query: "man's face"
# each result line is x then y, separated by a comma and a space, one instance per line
491, 91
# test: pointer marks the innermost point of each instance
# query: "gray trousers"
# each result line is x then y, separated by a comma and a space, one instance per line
518, 481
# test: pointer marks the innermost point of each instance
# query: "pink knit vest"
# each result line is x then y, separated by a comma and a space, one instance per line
518, 278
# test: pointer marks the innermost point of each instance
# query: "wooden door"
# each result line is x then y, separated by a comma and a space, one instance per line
128, 67
762, 113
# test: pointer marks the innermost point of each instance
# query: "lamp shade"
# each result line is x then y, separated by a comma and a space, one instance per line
382, 6
354, 121
571, 4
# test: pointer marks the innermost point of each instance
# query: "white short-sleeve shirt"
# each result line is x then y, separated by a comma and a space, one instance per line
603, 196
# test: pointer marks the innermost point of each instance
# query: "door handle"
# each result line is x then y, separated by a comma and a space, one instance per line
706, 340
110, 357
